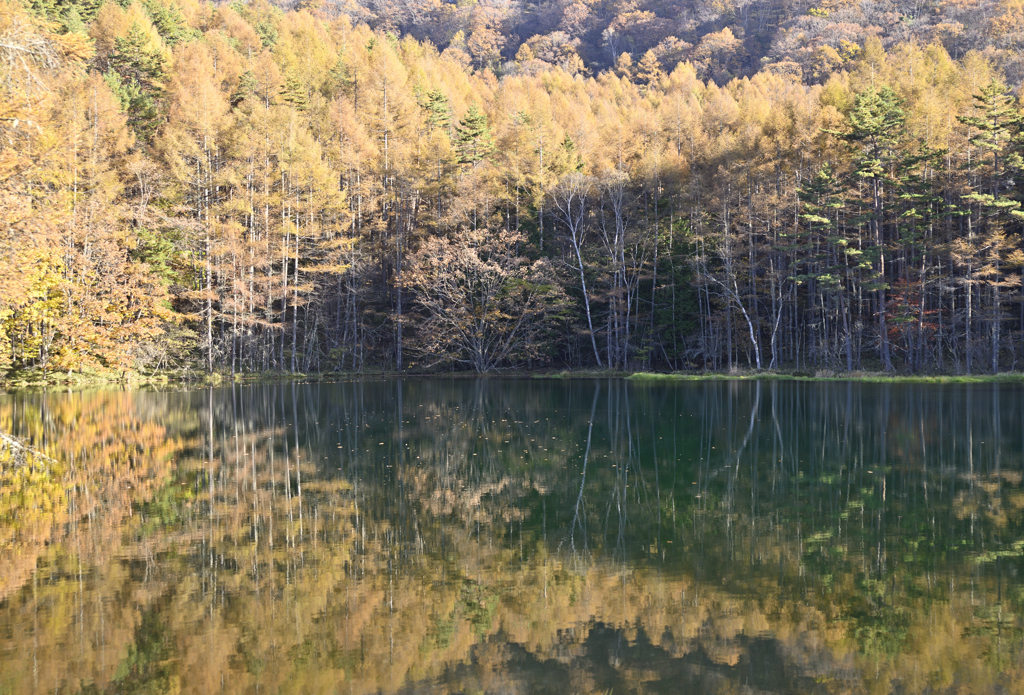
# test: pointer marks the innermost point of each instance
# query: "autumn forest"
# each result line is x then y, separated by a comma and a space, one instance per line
423, 186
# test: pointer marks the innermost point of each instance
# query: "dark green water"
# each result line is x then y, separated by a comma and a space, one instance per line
516, 536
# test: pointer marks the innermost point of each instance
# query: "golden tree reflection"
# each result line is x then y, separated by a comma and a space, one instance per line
488, 536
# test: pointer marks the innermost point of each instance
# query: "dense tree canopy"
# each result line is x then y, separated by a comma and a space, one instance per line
246, 188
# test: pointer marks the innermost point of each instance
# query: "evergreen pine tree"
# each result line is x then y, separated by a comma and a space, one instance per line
294, 93
996, 125
73, 20
340, 77
87, 9
876, 124
473, 137
876, 128
140, 70
246, 88
439, 113
167, 19
44, 8
573, 157
72, 15
136, 61
820, 200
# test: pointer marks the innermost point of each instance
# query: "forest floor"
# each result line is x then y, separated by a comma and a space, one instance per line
36, 379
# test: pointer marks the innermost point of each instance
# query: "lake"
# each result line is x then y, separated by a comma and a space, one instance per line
515, 536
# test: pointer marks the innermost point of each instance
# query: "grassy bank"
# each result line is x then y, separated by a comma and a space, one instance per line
865, 377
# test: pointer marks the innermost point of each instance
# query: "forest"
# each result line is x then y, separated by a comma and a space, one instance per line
419, 186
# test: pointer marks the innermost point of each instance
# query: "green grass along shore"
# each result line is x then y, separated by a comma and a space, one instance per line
866, 377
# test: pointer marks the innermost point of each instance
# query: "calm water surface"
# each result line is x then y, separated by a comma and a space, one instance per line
516, 537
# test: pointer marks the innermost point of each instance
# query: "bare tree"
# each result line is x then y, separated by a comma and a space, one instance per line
485, 305
570, 196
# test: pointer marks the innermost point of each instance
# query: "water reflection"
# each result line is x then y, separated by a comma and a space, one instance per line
516, 536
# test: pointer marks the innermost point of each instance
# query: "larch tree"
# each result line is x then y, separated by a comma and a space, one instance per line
192, 146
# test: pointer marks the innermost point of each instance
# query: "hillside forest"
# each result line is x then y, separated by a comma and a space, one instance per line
415, 185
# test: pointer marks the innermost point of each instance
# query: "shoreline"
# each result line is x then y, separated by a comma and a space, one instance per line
861, 377
38, 381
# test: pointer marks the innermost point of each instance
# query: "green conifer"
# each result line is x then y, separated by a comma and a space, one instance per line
246, 88
439, 112
573, 157
294, 93
339, 78
473, 137
997, 130
140, 70
169, 22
